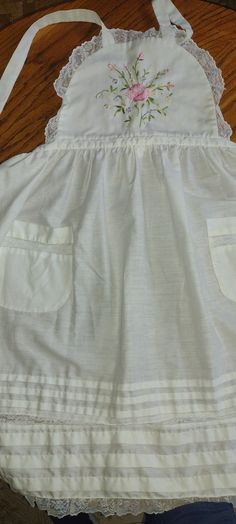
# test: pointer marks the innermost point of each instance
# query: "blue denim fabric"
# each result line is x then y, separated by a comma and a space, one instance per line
202, 512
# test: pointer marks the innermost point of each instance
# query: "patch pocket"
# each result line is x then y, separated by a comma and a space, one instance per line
35, 267
222, 244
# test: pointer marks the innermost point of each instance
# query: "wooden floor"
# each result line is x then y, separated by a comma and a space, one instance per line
33, 102
15, 509
11, 10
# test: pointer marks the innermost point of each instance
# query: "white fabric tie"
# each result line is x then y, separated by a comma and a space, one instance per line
19, 56
166, 12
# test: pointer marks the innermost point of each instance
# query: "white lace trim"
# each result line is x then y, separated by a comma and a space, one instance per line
114, 506
81, 52
120, 507
216, 80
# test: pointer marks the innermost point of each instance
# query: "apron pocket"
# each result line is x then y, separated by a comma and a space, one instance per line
222, 244
35, 267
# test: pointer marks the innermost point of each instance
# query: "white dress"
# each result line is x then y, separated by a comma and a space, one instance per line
118, 281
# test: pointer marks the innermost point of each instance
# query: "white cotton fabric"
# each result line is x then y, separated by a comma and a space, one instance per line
196, 115
118, 297
87, 48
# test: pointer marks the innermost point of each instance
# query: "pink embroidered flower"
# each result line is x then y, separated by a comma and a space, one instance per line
131, 84
141, 56
138, 92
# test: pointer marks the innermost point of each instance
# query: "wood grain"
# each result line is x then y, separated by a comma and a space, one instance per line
15, 9
33, 100
15, 509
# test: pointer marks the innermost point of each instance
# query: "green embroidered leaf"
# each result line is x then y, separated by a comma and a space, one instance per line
100, 93
160, 73
113, 89
135, 70
155, 88
124, 79
120, 108
129, 73
121, 99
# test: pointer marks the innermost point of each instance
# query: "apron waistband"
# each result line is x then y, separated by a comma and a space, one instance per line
19, 56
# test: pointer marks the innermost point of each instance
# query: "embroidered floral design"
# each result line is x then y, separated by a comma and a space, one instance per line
136, 94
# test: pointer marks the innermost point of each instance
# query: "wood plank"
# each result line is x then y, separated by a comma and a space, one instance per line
15, 509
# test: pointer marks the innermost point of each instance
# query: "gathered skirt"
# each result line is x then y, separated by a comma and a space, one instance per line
117, 321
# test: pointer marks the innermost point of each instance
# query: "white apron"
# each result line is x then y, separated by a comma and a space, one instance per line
118, 284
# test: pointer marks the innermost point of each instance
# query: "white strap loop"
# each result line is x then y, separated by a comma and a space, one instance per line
166, 12
19, 56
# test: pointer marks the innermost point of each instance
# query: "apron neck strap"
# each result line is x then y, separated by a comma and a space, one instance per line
19, 56
166, 12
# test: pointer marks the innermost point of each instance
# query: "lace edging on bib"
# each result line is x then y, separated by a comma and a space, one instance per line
216, 80
81, 52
